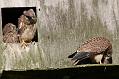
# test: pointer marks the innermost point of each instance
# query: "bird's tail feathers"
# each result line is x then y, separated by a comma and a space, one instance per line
79, 56
72, 55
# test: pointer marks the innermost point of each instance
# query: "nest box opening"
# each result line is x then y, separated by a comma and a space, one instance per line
11, 15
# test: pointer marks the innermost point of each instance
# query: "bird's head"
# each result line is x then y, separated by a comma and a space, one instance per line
107, 59
9, 28
30, 14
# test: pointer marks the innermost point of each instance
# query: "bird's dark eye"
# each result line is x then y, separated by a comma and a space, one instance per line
29, 17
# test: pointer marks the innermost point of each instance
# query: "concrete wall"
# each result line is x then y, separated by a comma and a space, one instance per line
62, 26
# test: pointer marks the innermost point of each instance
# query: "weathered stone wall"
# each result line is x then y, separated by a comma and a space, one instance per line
62, 26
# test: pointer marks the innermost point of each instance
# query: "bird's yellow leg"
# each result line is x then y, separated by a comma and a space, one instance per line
100, 62
76, 62
24, 44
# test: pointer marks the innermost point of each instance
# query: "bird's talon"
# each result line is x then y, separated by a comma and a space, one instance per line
24, 45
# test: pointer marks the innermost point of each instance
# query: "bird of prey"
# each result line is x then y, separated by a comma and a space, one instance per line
97, 50
10, 33
27, 27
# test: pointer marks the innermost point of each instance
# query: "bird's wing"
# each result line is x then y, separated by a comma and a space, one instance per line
80, 57
22, 25
97, 45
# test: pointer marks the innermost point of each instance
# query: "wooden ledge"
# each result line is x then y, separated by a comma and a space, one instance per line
89, 71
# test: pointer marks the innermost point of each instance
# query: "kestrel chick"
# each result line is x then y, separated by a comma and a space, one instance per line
27, 27
10, 33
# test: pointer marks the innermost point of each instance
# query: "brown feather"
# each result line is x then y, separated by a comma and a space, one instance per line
10, 34
97, 49
27, 29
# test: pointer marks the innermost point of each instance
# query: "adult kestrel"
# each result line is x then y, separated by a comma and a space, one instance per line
96, 50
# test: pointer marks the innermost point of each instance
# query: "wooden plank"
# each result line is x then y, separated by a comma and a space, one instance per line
87, 72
